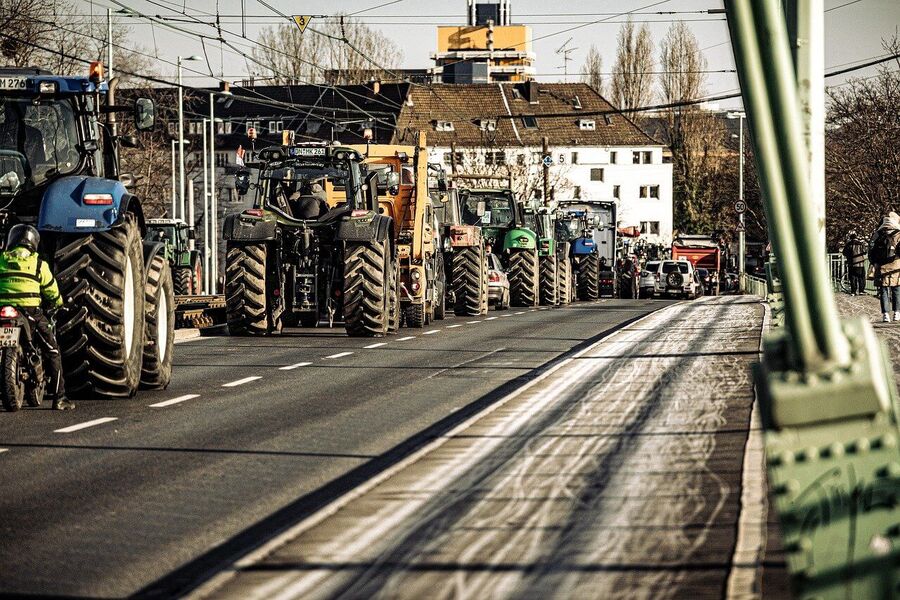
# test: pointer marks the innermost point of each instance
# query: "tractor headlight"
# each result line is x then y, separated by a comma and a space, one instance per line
48, 87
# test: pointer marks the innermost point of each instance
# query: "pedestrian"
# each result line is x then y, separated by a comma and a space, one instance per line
883, 254
855, 253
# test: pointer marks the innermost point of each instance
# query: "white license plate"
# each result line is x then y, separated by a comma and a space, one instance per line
9, 336
12, 83
301, 151
85, 223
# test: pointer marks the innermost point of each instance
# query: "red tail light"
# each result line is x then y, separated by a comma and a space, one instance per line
97, 199
254, 212
9, 312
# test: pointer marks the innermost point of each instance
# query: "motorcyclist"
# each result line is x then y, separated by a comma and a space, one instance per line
26, 283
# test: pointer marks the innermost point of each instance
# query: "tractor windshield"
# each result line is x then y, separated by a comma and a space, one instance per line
496, 211
304, 191
38, 141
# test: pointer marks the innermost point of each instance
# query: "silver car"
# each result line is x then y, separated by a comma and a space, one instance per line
648, 279
498, 284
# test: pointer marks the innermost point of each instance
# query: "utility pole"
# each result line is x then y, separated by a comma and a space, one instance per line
205, 210
545, 152
213, 200
109, 45
190, 219
173, 214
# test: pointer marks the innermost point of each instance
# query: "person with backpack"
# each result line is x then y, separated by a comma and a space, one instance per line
855, 253
883, 254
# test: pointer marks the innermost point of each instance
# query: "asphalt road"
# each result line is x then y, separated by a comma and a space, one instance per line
252, 435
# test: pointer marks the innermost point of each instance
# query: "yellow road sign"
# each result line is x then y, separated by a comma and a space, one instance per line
302, 21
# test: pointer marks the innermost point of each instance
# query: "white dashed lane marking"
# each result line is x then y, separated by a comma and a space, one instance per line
294, 366
177, 400
459, 325
519, 313
378, 345
490, 318
2, 450
339, 355
85, 425
242, 381
409, 337
432, 331
472, 322
505, 315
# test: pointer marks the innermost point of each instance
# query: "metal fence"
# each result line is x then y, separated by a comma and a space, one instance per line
840, 274
755, 286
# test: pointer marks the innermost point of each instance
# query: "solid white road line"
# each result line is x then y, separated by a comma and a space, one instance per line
177, 400
339, 355
378, 345
409, 337
432, 331
85, 425
459, 325
472, 322
242, 381
294, 366
490, 318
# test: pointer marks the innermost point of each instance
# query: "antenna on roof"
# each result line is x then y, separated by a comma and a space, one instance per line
567, 56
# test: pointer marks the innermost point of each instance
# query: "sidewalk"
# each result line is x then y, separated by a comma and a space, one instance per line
625, 472
868, 305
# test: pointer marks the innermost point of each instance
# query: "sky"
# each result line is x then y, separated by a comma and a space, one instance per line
853, 31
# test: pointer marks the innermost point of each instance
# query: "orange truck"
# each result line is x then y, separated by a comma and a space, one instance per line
704, 253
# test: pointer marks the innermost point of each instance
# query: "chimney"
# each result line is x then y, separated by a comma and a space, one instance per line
529, 91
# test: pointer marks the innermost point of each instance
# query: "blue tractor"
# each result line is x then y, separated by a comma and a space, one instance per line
59, 170
591, 227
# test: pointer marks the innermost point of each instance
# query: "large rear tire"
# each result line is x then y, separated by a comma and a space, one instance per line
469, 277
182, 283
524, 279
101, 338
565, 281
159, 339
414, 314
246, 304
588, 277
366, 293
549, 280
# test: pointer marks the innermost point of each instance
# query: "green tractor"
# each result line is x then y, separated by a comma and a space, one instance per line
186, 264
556, 276
505, 225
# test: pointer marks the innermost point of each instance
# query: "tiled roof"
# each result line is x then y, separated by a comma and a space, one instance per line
465, 104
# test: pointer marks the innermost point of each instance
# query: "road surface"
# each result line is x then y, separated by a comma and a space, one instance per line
150, 494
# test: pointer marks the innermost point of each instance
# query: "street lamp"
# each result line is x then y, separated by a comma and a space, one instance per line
174, 194
181, 135
214, 197
742, 248
207, 201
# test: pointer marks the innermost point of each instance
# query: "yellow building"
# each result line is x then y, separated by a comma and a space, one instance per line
486, 50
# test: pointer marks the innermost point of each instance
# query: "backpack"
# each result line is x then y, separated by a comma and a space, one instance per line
884, 249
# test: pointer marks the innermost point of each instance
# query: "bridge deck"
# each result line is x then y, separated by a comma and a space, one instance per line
633, 469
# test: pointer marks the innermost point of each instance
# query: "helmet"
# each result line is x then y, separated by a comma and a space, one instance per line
23, 235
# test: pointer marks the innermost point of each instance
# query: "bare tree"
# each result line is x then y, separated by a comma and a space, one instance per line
32, 25
862, 157
340, 51
632, 78
592, 70
682, 65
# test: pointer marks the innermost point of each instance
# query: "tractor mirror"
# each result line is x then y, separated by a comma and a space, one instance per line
392, 182
144, 114
480, 209
192, 233
242, 182
127, 179
129, 141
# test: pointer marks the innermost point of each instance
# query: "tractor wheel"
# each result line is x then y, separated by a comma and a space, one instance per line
197, 277
469, 277
159, 313
524, 278
415, 315
13, 388
246, 304
565, 278
182, 282
102, 337
394, 308
366, 289
549, 280
588, 277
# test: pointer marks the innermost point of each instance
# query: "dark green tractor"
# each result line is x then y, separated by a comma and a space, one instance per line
186, 264
510, 234
556, 276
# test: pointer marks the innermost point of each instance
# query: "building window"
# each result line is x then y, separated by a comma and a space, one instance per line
222, 159
613, 156
636, 157
495, 158
276, 126
574, 158
644, 157
444, 126
576, 192
650, 227
650, 191
587, 124
449, 158
596, 174
617, 190
520, 159
648, 157
487, 124
172, 129
536, 158
529, 122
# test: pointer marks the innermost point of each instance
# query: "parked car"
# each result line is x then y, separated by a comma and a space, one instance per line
498, 284
648, 279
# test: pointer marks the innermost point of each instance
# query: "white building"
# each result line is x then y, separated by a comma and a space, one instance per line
498, 130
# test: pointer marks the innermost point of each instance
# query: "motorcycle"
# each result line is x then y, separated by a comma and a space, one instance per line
22, 377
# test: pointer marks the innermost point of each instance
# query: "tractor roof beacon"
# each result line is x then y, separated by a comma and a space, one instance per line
59, 169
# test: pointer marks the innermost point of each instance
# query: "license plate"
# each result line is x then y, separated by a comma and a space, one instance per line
85, 223
9, 336
301, 151
12, 83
